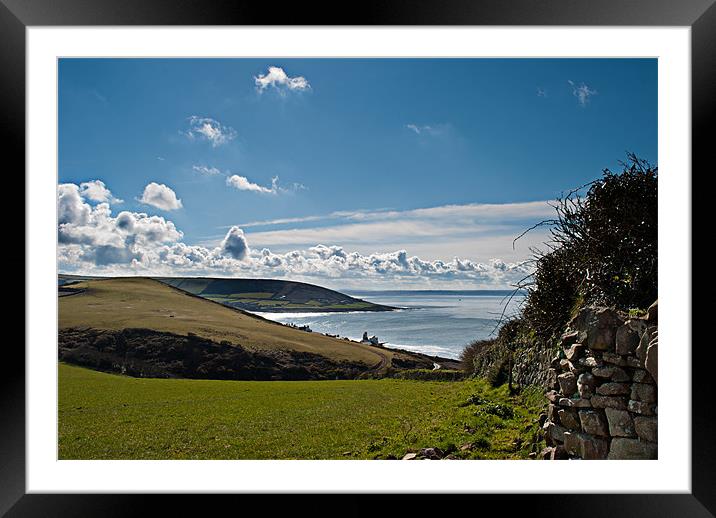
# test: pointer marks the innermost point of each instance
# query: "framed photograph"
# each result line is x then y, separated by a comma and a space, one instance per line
288, 252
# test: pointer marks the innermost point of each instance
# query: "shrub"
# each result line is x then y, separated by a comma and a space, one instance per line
603, 250
472, 351
430, 375
498, 372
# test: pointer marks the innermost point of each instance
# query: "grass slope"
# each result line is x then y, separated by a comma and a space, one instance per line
270, 295
105, 416
145, 303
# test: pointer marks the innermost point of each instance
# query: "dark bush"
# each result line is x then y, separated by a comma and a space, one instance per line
430, 375
603, 250
473, 351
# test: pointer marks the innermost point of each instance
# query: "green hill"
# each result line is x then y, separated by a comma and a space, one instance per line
271, 295
147, 328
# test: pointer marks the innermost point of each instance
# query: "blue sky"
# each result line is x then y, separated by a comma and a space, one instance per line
439, 158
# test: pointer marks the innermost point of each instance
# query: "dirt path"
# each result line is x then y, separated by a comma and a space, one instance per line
384, 361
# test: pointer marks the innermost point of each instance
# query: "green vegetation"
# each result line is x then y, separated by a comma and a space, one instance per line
106, 416
603, 250
430, 374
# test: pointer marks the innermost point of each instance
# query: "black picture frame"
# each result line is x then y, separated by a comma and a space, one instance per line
700, 15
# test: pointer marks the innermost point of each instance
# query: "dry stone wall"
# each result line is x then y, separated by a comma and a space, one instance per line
602, 388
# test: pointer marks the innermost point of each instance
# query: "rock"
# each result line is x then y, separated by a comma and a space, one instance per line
640, 407
532, 455
633, 361
601, 329
585, 446
555, 362
542, 418
643, 392
553, 396
614, 359
609, 402
646, 428
546, 453
565, 365
628, 335
644, 343
559, 453
574, 403
553, 433
571, 443
642, 376
467, 446
612, 372
652, 312
574, 352
409, 456
569, 339
431, 453
567, 383
586, 384
552, 379
632, 449
568, 419
453, 457
593, 422
652, 360
620, 423
552, 413
613, 389
589, 361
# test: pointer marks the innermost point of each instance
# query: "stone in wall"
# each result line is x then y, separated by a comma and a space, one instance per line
602, 389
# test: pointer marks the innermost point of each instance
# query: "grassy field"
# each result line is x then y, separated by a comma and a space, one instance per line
105, 416
139, 302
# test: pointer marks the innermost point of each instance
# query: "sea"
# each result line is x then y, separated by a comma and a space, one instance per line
438, 323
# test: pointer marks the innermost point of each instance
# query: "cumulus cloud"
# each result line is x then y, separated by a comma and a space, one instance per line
92, 236
95, 190
160, 196
582, 92
234, 244
278, 79
244, 184
92, 240
206, 128
70, 206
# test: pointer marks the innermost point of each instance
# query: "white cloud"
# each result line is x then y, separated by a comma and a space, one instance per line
94, 241
426, 129
244, 184
206, 128
70, 206
206, 170
160, 196
279, 80
582, 92
95, 190
234, 244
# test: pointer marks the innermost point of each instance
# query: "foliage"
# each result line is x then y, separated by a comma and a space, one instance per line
472, 352
430, 375
603, 250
